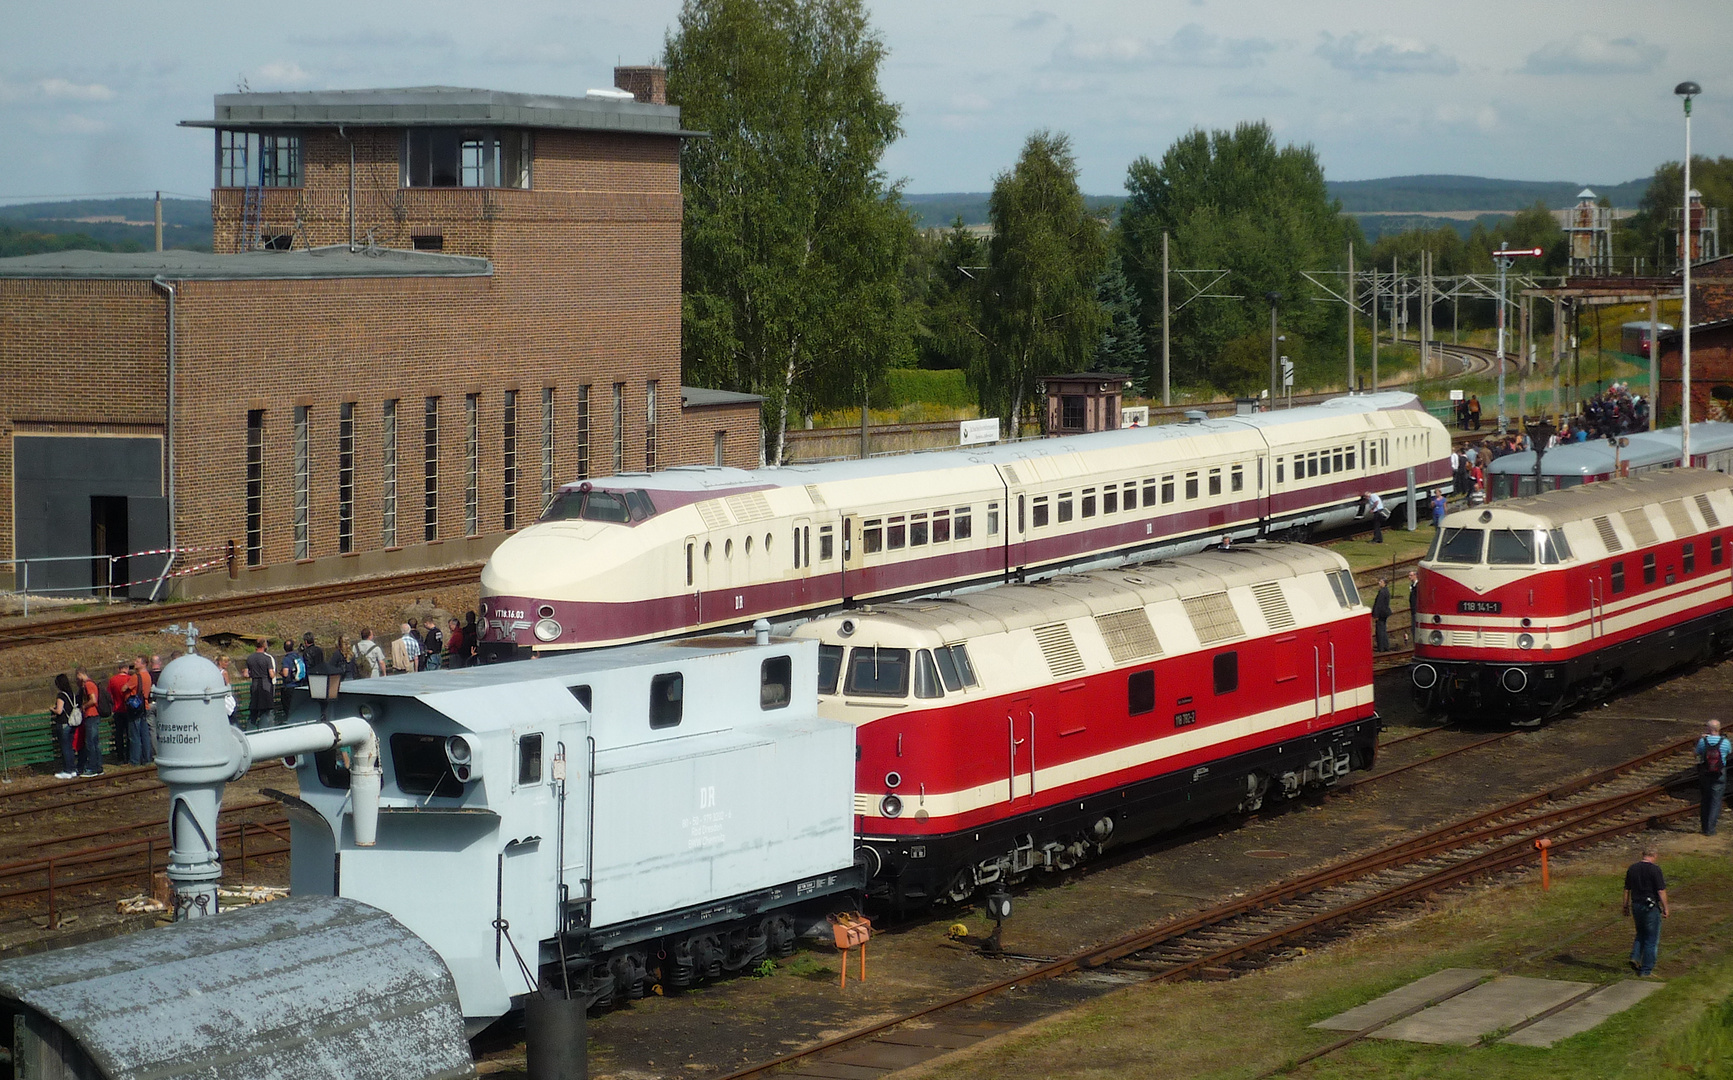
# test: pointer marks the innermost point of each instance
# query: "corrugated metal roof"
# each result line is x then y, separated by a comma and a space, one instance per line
313, 986
439, 106
323, 262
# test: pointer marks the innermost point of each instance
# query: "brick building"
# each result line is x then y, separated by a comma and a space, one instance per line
426, 308
1711, 372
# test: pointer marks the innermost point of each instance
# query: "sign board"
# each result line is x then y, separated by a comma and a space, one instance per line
976, 432
1456, 395
1134, 416
1287, 372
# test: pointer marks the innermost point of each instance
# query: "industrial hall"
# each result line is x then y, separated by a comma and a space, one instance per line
426, 309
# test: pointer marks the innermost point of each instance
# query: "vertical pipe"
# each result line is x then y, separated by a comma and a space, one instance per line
1166, 398
168, 290
1273, 385
159, 221
1374, 328
1654, 362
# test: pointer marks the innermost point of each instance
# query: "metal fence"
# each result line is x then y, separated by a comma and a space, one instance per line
27, 739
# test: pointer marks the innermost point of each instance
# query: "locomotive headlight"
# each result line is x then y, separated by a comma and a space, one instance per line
1525, 641
1437, 637
890, 806
548, 630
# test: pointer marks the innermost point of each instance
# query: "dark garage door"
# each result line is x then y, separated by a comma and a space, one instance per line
83, 495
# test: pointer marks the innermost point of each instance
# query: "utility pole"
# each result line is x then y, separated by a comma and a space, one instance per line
1274, 298
1166, 399
1375, 301
1654, 353
1353, 299
1503, 257
1686, 90
1522, 370
1558, 354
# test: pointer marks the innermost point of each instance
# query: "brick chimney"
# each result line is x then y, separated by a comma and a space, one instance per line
648, 84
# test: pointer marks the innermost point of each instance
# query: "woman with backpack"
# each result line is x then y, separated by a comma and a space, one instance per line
65, 720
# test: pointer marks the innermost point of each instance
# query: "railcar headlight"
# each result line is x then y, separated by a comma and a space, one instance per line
548, 630
890, 806
1437, 637
1525, 641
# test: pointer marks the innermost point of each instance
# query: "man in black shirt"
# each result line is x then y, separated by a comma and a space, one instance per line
261, 670
313, 655
1381, 616
1646, 903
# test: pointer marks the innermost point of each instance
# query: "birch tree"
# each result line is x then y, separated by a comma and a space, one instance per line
793, 239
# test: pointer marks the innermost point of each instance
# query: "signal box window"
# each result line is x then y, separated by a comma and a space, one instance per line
1648, 569
1071, 412
1140, 693
775, 683
1619, 577
466, 157
419, 765
829, 668
667, 700
529, 760
874, 672
1227, 672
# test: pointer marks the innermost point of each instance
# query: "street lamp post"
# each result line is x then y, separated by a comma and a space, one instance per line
1686, 90
1274, 298
1503, 257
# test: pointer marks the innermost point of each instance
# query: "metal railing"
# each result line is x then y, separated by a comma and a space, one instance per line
104, 586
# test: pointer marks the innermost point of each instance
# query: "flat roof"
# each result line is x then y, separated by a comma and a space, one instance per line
697, 397
439, 106
324, 262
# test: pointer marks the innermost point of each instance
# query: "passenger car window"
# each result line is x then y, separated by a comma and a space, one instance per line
1038, 512
872, 537
667, 699
1064, 507
775, 677
874, 672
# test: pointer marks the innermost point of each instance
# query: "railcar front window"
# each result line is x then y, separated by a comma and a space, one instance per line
1432, 549
1461, 545
874, 672
926, 676
965, 670
592, 506
829, 668
947, 669
1511, 547
1559, 544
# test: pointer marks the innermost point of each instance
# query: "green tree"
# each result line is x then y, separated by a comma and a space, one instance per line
794, 242
1234, 201
1121, 347
945, 293
1653, 232
1040, 314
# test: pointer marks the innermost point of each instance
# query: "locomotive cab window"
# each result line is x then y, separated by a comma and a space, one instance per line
582, 694
529, 759
420, 767
775, 683
1619, 577
1649, 569
926, 676
1511, 547
1140, 693
1460, 545
965, 670
874, 672
1227, 672
948, 673
1553, 547
667, 699
829, 668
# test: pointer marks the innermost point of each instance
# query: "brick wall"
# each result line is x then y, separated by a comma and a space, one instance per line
1711, 366
585, 291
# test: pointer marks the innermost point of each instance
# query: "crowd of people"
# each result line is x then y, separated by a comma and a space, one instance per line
81, 703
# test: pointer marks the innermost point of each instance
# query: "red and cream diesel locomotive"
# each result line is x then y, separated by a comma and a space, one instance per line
1530, 606
1031, 726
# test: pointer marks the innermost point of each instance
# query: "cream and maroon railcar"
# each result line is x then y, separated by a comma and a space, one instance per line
631, 558
1032, 726
1529, 606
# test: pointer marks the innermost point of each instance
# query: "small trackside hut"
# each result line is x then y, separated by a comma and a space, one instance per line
594, 822
1031, 727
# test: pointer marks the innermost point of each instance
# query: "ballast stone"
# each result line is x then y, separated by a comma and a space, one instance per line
307, 988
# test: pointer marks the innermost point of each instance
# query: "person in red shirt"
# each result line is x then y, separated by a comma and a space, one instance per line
90, 753
117, 684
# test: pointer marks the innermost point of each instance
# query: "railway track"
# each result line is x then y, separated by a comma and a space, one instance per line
1250, 932
154, 616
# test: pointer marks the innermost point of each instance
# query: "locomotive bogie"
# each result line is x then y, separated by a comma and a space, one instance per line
696, 548
1057, 719
1531, 606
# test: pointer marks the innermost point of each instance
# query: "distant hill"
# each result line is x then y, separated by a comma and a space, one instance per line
940, 210
1418, 194
110, 224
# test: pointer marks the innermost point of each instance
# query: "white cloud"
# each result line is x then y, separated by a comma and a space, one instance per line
66, 90
1190, 46
1364, 56
1588, 54
282, 72
81, 125
1035, 20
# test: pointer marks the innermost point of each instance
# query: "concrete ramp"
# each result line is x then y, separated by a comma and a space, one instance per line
1499, 1004
308, 988
1585, 1014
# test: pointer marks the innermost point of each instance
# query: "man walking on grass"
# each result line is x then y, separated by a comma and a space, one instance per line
1713, 750
1646, 903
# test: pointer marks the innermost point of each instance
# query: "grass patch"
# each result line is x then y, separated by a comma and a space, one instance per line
805, 965
1240, 1028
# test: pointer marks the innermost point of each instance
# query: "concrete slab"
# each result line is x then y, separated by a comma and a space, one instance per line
1585, 1014
885, 1056
1404, 998
1501, 1003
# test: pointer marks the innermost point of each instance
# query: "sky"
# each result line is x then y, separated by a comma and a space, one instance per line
91, 90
